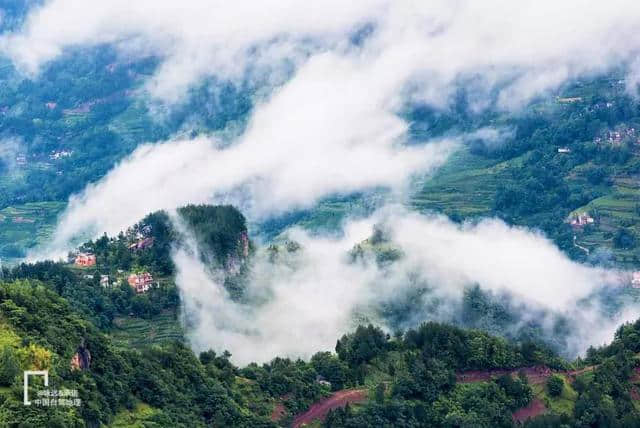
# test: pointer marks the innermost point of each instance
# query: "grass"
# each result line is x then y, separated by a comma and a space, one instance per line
137, 332
25, 226
8, 337
561, 404
5, 391
132, 123
251, 396
615, 209
134, 418
465, 185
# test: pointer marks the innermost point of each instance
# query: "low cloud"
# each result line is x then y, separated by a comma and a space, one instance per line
520, 49
9, 151
304, 301
332, 129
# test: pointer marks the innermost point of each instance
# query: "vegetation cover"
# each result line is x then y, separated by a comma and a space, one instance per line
433, 375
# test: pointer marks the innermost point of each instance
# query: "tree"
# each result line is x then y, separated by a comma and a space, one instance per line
624, 238
555, 385
9, 366
380, 388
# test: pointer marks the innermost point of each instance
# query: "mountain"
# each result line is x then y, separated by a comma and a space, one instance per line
55, 318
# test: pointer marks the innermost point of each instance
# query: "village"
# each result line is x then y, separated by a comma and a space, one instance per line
580, 220
140, 280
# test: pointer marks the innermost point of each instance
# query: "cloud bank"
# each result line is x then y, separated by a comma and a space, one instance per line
522, 49
333, 127
326, 131
307, 299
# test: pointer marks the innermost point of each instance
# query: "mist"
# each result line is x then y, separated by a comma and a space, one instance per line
303, 300
9, 150
522, 49
292, 154
333, 126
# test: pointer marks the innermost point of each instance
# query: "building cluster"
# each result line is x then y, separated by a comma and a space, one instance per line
85, 259
568, 100
140, 282
55, 155
617, 137
581, 219
142, 243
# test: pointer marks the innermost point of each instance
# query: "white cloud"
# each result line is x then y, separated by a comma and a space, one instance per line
9, 150
333, 128
310, 298
325, 132
195, 37
535, 46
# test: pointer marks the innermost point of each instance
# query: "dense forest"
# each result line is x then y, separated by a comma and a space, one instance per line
432, 375
412, 379
566, 164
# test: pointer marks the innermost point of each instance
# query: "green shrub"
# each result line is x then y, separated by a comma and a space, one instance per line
555, 385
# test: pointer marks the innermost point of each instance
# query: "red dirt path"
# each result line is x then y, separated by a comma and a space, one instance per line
535, 408
320, 409
535, 375
278, 412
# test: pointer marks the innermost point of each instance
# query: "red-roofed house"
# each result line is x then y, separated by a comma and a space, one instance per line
85, 259
140, 282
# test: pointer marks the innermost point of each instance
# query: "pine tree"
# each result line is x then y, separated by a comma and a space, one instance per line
9, 367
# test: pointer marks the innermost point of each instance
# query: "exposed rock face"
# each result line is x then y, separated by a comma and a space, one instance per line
81, 360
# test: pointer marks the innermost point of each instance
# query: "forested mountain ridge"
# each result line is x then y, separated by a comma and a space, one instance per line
442, 207
411, 379
50, 312
223, 242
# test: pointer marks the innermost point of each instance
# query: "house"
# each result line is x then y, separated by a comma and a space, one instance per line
615, 138
140, 282
635, 279
85, 259
55, 155
564, 150
322, 381
569, 100
581, 219
104, 280
141, 244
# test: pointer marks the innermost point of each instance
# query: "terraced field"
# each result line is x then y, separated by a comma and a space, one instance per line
618, 208
464, 186
131, 331
25, 226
